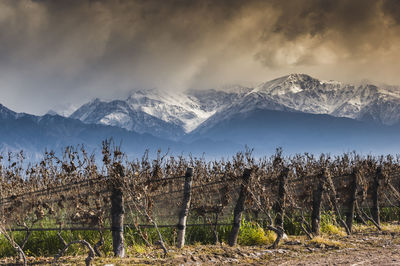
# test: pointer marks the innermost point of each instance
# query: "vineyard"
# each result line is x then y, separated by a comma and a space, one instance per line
169, 200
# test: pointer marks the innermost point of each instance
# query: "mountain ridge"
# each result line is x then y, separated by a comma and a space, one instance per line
36, 134
261, 129
192, 110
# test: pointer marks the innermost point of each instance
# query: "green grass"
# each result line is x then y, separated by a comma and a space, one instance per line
47, 243
388, 214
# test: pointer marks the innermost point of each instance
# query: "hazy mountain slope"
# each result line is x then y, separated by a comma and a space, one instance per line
6, 113
301, 132
35, 134
252, 102
261, 129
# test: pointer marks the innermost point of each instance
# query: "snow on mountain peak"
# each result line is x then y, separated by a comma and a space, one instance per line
149, 109
176, 108
293, 83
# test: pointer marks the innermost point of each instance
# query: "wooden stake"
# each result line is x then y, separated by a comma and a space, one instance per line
316, 205
375, 196
237, 214
351, 201
117, 221
185, 207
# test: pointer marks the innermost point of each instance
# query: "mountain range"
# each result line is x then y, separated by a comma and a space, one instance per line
298, 112
161, 113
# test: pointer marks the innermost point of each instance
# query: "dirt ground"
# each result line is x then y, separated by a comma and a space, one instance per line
365, 247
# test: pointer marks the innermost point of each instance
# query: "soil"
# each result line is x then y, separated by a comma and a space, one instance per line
367, 247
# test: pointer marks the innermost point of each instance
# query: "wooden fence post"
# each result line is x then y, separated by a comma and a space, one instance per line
187, 191
281, 201
237, 213
352, 200
333, 198
316, 204
117, 221
375, 196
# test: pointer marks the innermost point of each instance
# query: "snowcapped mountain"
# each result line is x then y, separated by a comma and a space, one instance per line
173, 115
302, 93
119, 113
178, 109
158, 112
296, 112
358, 101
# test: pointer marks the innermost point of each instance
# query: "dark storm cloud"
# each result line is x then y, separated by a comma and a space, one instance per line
356, 27
78, 49
316, 16
392, 9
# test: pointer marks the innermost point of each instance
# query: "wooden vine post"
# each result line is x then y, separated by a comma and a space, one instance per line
333, 199
239, 208
351, 201
117, 220
375, 196
187, 194
281, 201
316, 203
280, 206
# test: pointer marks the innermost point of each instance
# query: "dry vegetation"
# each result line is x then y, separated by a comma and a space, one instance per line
300, 195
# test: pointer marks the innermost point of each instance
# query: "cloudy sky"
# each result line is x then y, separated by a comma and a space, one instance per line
54, 52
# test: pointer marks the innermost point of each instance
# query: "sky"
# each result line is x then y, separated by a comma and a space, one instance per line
57, 52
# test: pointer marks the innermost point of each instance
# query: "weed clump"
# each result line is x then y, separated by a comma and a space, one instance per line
324, 242
251, 234
328, 225
331, 229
